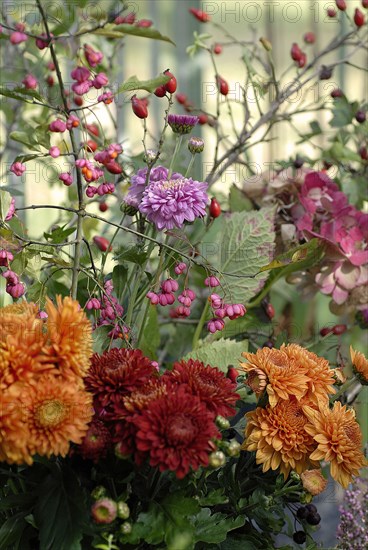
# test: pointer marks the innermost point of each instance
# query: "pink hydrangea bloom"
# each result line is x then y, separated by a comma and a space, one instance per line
338, 279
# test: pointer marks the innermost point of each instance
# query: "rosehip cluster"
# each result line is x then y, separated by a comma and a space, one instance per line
221, 310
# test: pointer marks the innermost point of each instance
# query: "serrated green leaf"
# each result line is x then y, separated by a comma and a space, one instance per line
342, 113
245, 244
144, 32
238, 202
133, 83
25, 139
214, 528
59, 234
5, 201
341, 153
150, 526
21, 94
220, 354
298, 254
214, 497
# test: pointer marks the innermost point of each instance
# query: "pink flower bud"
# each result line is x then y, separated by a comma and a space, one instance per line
57, 126
17, 168
18, 37
100, 80
104, 511
30, 82
66, 178
54, 152
5, 257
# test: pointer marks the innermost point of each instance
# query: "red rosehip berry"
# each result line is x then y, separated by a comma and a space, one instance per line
102, 243
93, 129
181, 98
78, 100
172, 84
339, 329
331, 13
200, 15
217, 49
341, 5
50, 80
302, 61
202, 119
160, 91
139, 107
309, 38
222, 85
336, 93
295, 52
365, 4
103, 207
324, 331
363, 152
270, 311
113, 167
215, 208
359, 18
91, 145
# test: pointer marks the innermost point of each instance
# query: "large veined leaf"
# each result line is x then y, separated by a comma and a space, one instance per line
244, 245
220, 354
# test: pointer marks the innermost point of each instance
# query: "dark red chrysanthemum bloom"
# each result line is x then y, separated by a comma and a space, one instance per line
176, 430
209, 383
116, 373
96, 442
125, 411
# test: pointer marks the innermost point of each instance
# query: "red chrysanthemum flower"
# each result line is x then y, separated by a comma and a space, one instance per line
96, 442
208, 383
176, 430
116, 373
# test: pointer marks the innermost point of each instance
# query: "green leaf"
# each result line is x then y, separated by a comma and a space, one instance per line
5, 201
25, 139
131, 254
214, 528
297, 255
150, 526
119, 279
60, 511
11, 530
238, 201
144, 32
343, 112
133, 83
151, 334
214, 497
21, 94
244, 245
100, 339
220, 354
59, 234
341, 153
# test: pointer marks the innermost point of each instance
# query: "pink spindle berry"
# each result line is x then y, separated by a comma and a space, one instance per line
170, 285
235, 310
153, 297
17, 168
11, 210
42, 314
182, 311
72, 122
216, 301
80, 74
100, 80
17, 37
212, 281
107, 98
185, 300
43, 41
81, 88
215, 325
188, 293
166, 299
129, 19
5, 257
54, 152
220, 312
91, 191
180, 268
11, 277
16, 291
66, 178
144, 23
57, 126
93, 303
30, 82
93, 58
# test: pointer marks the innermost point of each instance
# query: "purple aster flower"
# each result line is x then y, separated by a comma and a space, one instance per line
138, 183
182, 124
169, 203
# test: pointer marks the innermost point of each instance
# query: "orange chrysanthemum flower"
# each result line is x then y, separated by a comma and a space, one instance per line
70, 339
320, 376
313, 481
13, 433
339, 440
278, 436
285, 376
360, 366
54, 412
21, 344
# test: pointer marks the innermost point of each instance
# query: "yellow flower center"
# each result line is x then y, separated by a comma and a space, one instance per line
51, 413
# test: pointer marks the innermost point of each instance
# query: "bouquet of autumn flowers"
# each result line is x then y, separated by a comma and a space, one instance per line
150, 456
